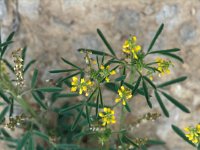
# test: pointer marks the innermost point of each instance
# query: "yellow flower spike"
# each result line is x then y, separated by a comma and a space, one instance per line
113, 72
102, 67
107, 67
107, 79
73, 89
82, 80
107, 116
117, 100
123, 102
134, 38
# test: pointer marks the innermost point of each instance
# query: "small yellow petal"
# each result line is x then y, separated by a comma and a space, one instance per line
102, 67
113, 72
123, 102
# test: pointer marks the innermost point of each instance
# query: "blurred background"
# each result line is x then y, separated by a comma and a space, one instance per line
53, 29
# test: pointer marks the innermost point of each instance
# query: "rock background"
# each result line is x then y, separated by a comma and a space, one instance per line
52, 29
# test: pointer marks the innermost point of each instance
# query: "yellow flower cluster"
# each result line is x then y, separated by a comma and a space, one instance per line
107, 116
163, 66
130, 47
105, 72
193, 134
124, 95
83, 86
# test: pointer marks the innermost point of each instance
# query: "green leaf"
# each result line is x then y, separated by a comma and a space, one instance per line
39, 101
8, 41
106, 42
24, 54
162, 106
150, 82
67, 95
49, 89
77, 119
41, 135
9, 65
175, 102
5, 98
155, 142
91, 95
31, 145
62, 70
146, 93
87, 115
23, 141
136, 85
120, 78
71, 64
182, 134
3, 113
127, 107
70, 76
100, 96
94, 52
34, 78
173, 56
126, 139
165, 51
64, 110
97, 104
29, 65
177, 80
112, 86
155, 37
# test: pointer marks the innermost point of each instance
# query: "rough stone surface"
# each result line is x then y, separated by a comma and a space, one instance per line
52, 29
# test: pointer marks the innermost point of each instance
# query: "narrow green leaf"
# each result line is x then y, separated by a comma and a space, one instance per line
71, 64
155, 142
150, 82
62, 70
94, 52
31, 145
173, 56
106, 42
7, 40
175, 102
182, 134
77, 120
126, 139
155, 37
29, 65
136, 85
87, 115
49, 89
146, 93
41, 135
5, 43
165, 51
100, 96
23, 141
162, 106
67, 95
39, 101
24, 54
177, 80
112, 86
127, 107
64, 110
9, 65
5, 98
34, 78
97, 104
3, 113
70, 76
120, 78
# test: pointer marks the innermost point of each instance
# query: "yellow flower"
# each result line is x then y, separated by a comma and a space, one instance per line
83, 86
124, 95
163, 66
193, 134
130, 47
107, 116
105, 72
